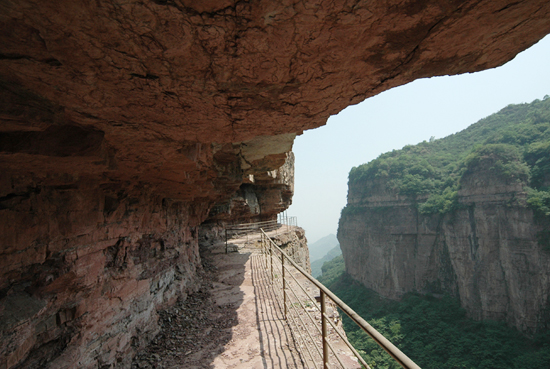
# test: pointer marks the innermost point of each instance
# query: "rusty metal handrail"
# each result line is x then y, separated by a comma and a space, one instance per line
319, 330
382, 341
253, 225
323, 353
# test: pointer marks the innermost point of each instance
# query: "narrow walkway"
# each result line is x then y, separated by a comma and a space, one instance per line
262, 337
233, 321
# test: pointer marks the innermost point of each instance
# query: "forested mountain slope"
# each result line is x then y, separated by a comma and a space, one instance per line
319, 248
466, 215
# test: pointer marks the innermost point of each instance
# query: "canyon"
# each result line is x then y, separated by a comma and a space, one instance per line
485, 254
479, 237
126, 126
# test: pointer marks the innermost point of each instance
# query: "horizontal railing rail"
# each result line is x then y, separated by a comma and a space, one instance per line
283, 223
255, 225
277, 260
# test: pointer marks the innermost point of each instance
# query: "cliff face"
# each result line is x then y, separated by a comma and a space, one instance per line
485, 253
294, 244
261, 197
91, 263
123, 124
86, 270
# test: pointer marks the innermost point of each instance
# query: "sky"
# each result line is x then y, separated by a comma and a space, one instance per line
404, 115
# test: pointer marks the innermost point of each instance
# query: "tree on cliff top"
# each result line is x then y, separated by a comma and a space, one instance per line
513, 144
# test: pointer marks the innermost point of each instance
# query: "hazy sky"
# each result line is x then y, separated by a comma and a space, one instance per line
401, 116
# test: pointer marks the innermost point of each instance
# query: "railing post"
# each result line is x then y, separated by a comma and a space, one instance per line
284, 282
271, 257
226, 240
265, 250
324, 331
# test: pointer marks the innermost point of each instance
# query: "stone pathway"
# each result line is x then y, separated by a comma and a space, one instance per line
234, 321
262, 338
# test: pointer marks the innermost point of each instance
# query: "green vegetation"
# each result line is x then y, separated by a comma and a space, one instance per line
433, 332
540, 202
332, 270
513, 145
316, 265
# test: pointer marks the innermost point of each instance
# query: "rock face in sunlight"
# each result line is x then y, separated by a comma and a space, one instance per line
123, 125
486, 252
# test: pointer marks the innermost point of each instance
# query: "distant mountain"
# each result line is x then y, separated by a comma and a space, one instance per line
319, 249
318, 264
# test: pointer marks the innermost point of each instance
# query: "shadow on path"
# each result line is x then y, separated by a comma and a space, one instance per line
234, 320
277, 344
195, 330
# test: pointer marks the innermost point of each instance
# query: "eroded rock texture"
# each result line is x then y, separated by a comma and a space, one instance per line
84, 269
293, 242
485, 253
123, 123
261, 197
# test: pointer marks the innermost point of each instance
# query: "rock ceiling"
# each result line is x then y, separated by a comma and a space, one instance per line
150, 91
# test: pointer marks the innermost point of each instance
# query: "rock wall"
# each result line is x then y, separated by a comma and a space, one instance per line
90, 262
85, 270
122, 124
261, 197
294, 243
485, 253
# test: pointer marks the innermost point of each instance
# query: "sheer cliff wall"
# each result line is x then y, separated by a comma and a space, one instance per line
485, 253
123, 124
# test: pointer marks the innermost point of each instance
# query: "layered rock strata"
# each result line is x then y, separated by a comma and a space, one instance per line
91, 263
123, 123
485, 253
261, 197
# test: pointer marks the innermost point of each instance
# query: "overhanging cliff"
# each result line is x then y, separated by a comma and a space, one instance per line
123, 123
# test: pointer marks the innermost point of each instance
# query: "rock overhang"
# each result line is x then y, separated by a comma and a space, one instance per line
164, 80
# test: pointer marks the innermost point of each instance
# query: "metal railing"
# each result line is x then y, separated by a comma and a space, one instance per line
277, 262
283, 218
283, 223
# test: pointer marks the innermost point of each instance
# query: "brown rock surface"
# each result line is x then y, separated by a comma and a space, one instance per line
261, 197
152, 85
123, 123
294, 244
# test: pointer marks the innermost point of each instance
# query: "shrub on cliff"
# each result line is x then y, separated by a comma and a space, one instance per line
440, 202
537, 156
539, 201
500, 160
